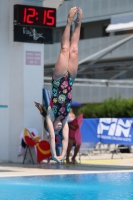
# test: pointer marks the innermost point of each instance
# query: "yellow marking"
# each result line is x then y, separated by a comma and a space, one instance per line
26, 131
42, 151
99, 161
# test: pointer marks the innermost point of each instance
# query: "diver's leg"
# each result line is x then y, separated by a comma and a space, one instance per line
62, 62
73, 55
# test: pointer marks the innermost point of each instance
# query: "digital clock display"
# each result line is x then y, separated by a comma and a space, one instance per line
34, 16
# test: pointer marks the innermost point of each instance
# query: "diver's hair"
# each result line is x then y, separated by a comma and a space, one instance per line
45, 125
44, 114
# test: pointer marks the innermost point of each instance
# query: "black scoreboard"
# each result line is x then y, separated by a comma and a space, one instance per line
34, 24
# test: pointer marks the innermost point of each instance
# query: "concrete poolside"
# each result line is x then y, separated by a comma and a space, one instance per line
98, 163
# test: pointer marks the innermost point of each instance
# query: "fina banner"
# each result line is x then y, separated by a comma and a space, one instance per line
108, 130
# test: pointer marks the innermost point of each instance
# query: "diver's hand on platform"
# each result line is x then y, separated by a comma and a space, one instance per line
56, 159
61, 158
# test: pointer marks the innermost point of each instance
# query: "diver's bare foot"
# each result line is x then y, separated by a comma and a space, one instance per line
79, 16
71, 14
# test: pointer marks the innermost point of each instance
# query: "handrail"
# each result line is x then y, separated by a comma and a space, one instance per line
3, 106
97, 82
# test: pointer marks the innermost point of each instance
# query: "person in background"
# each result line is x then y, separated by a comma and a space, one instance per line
71, 115
74, 136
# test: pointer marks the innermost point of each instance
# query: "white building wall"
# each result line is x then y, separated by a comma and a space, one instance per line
4, 80
20, 85
33, 84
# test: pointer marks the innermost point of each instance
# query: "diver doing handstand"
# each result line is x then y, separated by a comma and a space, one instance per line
64, 73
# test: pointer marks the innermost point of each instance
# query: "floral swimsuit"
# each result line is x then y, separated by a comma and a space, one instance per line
61, 98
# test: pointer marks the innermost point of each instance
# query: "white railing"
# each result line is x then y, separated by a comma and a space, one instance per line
97, 82
96, 90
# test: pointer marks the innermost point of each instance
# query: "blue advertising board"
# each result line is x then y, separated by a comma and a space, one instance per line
108, 130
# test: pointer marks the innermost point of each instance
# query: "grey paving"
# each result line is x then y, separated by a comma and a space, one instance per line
98, 163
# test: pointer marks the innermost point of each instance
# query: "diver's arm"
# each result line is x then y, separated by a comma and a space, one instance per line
65, 132
52, 138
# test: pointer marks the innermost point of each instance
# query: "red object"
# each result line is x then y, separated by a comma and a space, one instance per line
28, 18
42, 150
29, 141
48, 19
42, 147
33, 134
76, 134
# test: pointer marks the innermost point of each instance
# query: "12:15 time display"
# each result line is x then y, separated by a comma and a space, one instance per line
34, 16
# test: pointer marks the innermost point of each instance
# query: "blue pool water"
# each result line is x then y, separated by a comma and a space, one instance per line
106, 186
